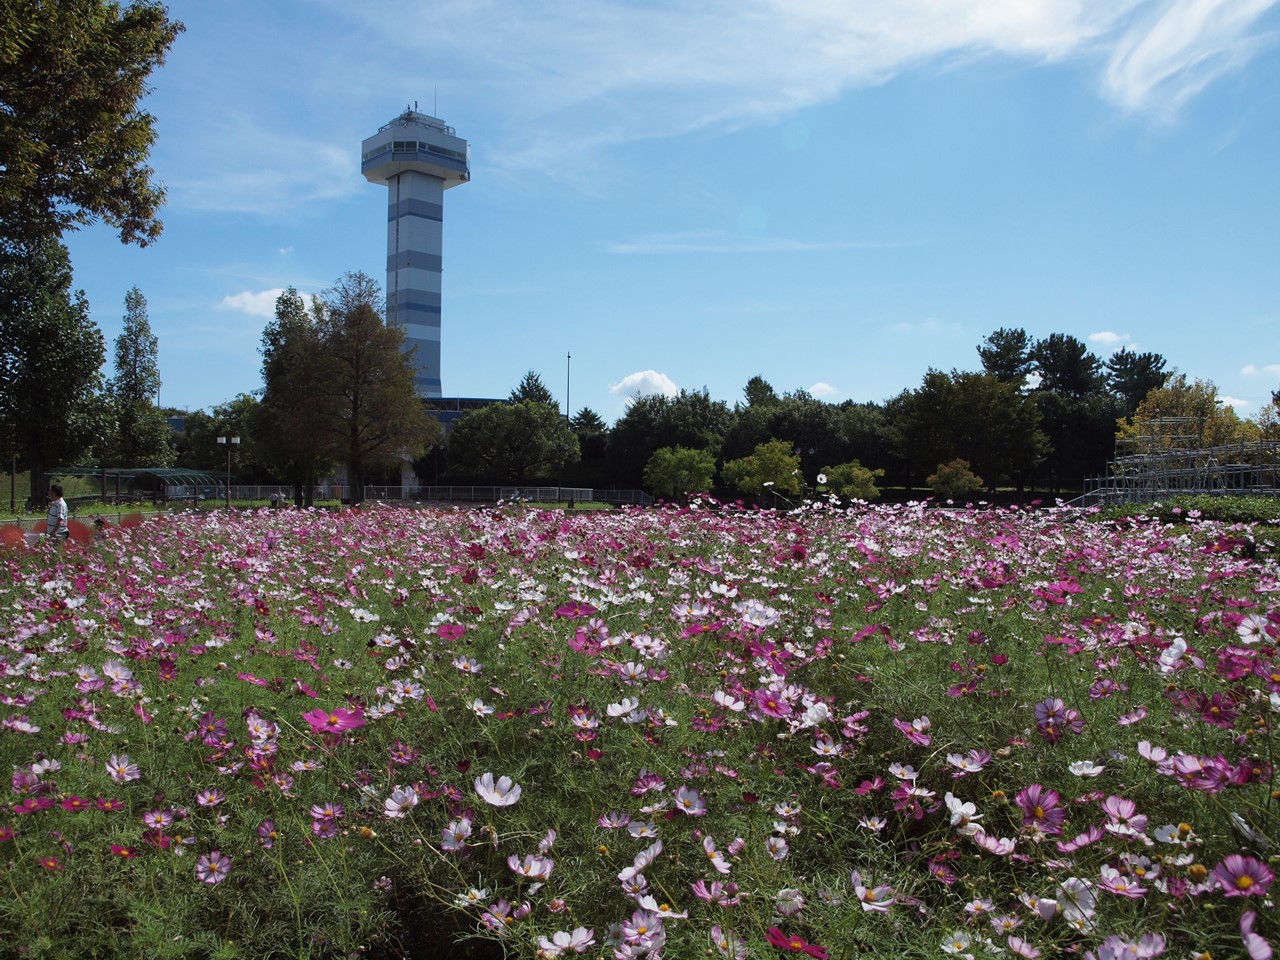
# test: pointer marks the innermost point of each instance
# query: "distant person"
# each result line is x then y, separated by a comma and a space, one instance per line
55, 524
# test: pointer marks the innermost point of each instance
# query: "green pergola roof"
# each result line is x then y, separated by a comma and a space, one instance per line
175, 476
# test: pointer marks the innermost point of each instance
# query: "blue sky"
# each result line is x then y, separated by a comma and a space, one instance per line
834, 195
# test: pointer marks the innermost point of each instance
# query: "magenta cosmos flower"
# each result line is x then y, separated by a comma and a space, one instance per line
338, 720
794, 944
1241, 876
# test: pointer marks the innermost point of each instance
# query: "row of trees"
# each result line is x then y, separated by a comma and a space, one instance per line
1045, 413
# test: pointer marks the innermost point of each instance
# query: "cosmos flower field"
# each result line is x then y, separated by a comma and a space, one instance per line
894, 731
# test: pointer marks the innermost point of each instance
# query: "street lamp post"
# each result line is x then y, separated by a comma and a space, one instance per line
230, 442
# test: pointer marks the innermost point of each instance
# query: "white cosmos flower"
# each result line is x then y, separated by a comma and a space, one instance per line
1086, 768
822, 478
502, 793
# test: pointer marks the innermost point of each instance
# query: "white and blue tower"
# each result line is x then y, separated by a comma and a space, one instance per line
418, 157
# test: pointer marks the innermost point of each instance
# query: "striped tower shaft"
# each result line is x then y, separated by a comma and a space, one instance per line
415, 228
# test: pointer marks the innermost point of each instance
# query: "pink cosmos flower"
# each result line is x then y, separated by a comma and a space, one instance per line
1041, 809
213, 867
335, 721
1243, 876
1256, 946
122, 770
917, 731
690, 802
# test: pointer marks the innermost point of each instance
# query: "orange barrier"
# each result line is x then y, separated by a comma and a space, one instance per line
12, 536
78, 532
131, 520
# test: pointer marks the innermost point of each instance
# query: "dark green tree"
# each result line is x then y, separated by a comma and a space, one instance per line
1006, 355
1065, 365
374, 420
289, 422
532, 388
759, 393
971, 416
51, 356
1131, 376
512, 443
689, 419
593, 439
238, 417
139, 435
74, 139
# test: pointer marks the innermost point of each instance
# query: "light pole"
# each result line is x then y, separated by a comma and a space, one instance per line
230, 442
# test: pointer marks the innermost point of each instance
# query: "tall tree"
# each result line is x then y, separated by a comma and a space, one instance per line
73, 138
759, 393
1131, 376
679, 471
51, 356
290, 419
593, 438
1066, 366
1006, 355
374, 419
140, 436
532, 388
1183, 414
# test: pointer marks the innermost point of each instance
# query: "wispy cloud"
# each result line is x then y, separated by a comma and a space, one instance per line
261, 304
1234, 402
644, 383
572, 79
717, 241
822, 389
1175, 48
1270, 370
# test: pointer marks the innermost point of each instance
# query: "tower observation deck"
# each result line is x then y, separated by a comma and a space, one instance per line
418, 158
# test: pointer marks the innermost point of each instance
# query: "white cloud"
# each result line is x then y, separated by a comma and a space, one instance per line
1111, 341
1270, 370
1178, 48
1235, 402
254, 304
644, 383
822, 389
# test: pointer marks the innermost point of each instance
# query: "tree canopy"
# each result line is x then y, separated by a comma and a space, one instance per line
74, 139
516, 443
51, 356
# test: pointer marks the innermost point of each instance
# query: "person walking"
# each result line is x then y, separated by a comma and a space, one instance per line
55, 524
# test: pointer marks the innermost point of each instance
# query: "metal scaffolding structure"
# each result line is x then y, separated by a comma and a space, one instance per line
1168, 457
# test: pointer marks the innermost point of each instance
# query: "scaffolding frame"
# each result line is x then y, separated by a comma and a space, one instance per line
1168, 457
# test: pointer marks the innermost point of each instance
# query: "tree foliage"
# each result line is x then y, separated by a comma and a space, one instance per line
74, 139
689, 419
532, 388
1065, 365
373, 419
139, 435
51, 356
290, 419
773, 467
1006, 355
679, 471
954, 480
973, 416
850, 481
1131, 376
514, 443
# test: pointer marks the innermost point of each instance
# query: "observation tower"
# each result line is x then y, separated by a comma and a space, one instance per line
418, 158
